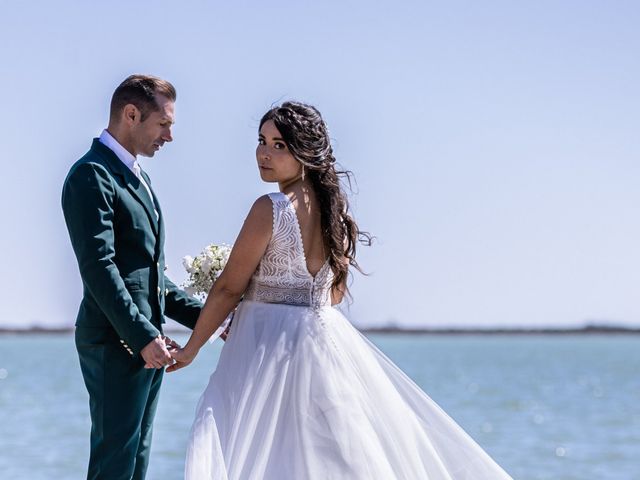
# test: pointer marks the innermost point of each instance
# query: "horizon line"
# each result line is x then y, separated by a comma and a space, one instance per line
394, 329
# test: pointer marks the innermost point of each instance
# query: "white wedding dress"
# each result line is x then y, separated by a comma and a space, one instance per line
300, 394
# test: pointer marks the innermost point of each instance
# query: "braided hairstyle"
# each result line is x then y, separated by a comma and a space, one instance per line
307, 137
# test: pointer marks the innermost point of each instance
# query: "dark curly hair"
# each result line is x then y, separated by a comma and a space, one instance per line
307, 137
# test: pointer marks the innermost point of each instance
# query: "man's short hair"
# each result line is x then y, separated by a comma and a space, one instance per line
141, 91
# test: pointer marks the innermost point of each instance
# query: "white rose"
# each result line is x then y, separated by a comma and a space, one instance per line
187, 263
207, 263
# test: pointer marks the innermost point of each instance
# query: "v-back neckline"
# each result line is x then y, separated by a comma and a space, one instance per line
301, 242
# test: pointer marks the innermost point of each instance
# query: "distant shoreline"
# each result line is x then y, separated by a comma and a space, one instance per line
585, 330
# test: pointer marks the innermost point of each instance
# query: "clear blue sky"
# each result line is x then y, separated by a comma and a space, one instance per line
495, 143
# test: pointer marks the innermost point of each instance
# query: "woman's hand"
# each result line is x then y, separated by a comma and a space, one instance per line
182, 357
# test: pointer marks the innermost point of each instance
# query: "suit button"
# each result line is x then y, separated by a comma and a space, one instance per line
166, 292
158, 264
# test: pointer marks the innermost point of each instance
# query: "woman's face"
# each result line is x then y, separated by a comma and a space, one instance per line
275, 161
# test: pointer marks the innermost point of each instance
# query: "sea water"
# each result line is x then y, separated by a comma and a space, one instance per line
545, 407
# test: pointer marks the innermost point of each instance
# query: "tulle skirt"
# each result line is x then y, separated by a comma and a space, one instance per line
300, 394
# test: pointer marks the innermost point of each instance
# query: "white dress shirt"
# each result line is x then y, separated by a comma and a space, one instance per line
128, 159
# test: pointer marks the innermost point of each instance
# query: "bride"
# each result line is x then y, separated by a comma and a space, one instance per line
298, 392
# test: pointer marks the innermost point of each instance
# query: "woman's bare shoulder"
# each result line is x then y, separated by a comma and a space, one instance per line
260, 215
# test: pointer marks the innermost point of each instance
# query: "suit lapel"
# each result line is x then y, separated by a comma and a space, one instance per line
133, 183
156, 204
138, 190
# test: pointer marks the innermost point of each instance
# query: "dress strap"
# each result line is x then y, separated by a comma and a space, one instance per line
280, 204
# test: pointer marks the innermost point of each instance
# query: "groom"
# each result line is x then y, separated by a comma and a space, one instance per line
117, 233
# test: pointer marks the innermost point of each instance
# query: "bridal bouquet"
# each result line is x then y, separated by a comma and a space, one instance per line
205, 269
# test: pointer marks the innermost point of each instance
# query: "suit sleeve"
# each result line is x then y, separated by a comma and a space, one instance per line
179, 306
88, 204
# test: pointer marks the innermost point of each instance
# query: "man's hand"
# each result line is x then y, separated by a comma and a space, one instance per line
170, 343
155, 354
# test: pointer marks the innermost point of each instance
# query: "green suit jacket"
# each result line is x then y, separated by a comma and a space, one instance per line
118, 242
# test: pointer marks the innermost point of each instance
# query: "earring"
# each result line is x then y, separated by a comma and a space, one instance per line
303, 173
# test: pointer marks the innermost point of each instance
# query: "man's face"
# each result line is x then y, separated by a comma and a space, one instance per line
151, 134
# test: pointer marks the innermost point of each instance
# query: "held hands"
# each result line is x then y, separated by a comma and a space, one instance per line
163, 351
182, 357
156, 354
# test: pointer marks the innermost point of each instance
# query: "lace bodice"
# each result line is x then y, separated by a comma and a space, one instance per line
282, 275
